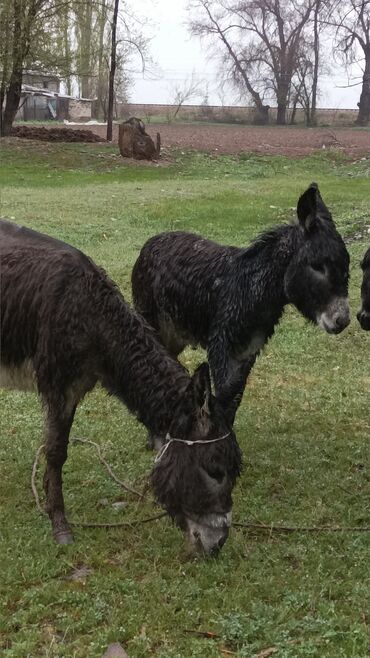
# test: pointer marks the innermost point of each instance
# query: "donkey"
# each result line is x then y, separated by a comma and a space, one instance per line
229, 299
64, 327
363, 315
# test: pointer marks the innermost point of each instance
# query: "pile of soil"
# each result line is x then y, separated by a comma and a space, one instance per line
55, 134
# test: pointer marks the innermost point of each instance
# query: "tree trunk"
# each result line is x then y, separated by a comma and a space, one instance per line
84, 14
13, 97
101, 96
308, 114
261, 115
281, 109
86, 53
282, 93
363, 116
134, 142
294, 111
126, 140
281, 114
112, 72
312, 118
2, 98
14, 88
67, 48
4, 55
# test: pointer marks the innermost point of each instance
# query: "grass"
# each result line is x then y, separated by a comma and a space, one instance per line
303, 427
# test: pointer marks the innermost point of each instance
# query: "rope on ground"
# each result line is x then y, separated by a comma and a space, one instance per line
123, 524
33, 480
108, 467
286, 529
271, 528
80, 524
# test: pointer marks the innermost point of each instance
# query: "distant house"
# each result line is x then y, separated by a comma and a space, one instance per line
42, 100
47, 81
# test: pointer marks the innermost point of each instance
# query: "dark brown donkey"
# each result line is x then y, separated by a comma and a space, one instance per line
64, 327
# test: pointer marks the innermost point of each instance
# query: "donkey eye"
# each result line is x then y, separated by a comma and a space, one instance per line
216, 473
319, 268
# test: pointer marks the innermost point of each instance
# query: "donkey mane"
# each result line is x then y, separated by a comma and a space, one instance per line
265, 239
272, 236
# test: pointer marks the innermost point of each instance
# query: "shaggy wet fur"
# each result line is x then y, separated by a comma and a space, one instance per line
65, 326
363, 315
229, 299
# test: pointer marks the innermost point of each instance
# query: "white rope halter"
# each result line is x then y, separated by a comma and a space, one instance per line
169, 439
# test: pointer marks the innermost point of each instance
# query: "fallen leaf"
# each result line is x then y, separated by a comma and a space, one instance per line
119, 505
115, 650
79, 574
265, 653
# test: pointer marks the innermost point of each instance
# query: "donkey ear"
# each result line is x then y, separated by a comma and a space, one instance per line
201, 381
307, 206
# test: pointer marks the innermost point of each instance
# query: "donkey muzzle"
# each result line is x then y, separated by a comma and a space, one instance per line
364, 319
336, 316
208, 534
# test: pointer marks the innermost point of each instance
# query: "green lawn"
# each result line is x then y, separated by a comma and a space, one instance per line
303, 427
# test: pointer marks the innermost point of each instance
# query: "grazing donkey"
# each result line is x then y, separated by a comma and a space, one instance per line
229, 300
64, 327
363, 315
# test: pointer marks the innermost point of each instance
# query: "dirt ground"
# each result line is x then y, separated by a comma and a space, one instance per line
55, 134
272, 140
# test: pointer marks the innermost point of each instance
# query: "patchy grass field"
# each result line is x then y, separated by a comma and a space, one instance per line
303, 427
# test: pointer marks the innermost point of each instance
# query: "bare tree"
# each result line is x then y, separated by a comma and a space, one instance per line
310, 64
261, 39
351, 19
184, 92
215, 19
124, 39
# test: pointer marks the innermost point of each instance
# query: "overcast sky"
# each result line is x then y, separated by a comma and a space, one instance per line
176, 55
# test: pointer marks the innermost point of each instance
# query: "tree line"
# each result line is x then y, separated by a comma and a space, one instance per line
88, 44
267, 49
279, 48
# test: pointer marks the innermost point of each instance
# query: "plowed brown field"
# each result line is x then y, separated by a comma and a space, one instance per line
228, 139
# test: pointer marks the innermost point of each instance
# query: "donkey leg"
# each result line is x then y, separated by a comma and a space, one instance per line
58, 425
232, 397
229, 387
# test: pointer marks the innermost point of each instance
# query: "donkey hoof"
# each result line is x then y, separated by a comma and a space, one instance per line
63, 537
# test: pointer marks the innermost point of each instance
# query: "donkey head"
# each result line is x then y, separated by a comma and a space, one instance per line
194, 481
363, 315
316, 280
